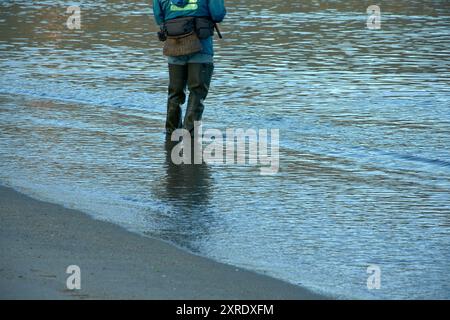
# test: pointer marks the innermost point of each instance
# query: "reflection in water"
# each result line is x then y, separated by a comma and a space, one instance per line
364, 135
187, 189
188, 184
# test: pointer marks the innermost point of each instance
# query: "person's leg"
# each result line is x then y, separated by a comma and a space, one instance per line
178, 75
199, 79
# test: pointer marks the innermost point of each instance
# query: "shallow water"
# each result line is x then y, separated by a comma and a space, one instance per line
364, 135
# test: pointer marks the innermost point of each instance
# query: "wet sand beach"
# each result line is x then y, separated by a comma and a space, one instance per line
40, 240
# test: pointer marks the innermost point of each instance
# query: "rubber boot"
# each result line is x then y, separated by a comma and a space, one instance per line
178, 76
199, 79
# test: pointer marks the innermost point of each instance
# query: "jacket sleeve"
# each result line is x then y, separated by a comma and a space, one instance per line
157, 12
217, 10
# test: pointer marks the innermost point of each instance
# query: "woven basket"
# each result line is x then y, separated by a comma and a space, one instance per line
182, 45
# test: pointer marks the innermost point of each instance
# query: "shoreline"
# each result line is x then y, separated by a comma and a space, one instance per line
39, 240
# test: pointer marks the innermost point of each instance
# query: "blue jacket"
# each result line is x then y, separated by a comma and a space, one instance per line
164, 10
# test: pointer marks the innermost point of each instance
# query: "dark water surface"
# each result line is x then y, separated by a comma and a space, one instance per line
364, 119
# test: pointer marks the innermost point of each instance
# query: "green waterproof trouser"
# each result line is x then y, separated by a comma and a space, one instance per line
197, 77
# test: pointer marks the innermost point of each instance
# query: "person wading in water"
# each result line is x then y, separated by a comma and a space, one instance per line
187, 29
